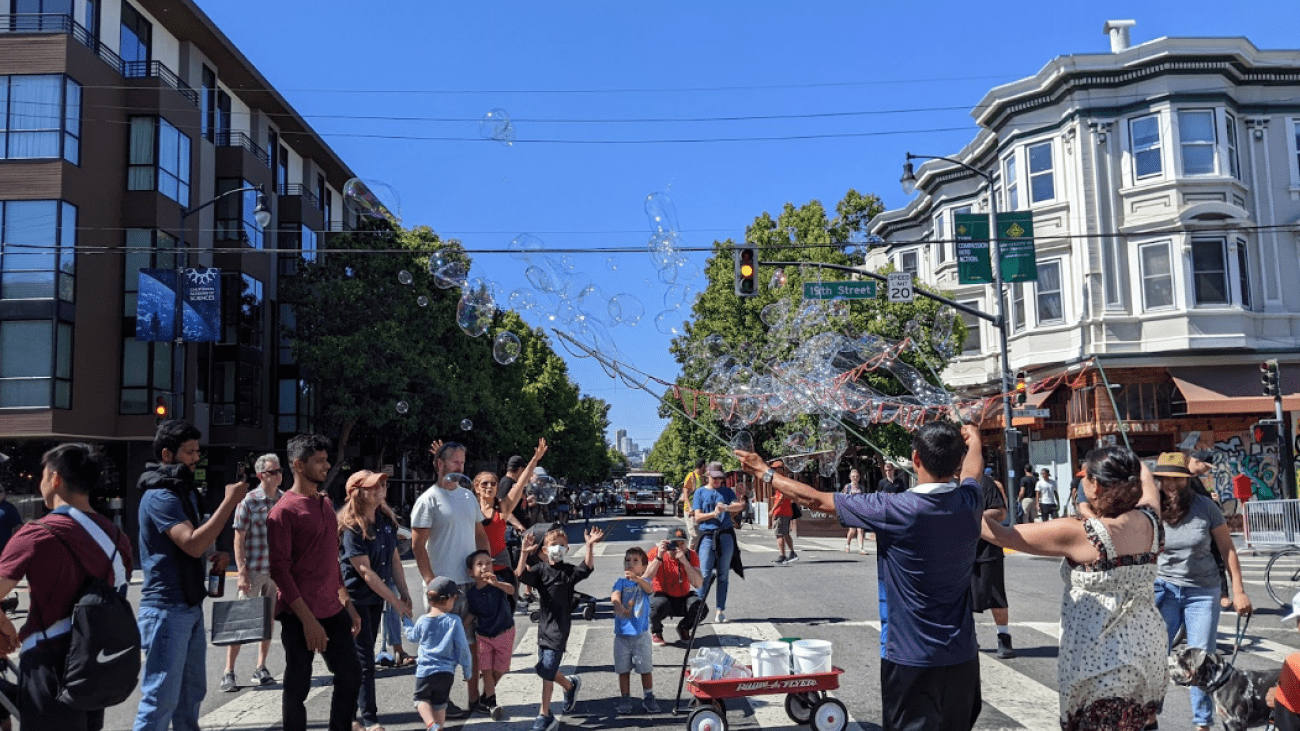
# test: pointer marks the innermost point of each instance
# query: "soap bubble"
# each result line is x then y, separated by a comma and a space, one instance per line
506, 347
743, 441
525, 245
611, 264
451, 274
829, 465
661, 212
778, 279
466, 425
403, 407
795, 444
626, 309
453, 480
473, 319
422, 301
543, 489
405, 277
372, 199
677, 295
538, 277
496, 125
671, 322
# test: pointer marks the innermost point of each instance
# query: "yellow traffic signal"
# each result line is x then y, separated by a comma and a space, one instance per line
746, 271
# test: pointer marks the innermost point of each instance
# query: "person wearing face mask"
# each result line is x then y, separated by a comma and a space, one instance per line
554, 581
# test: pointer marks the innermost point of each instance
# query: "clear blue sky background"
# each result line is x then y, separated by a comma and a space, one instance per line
912, 69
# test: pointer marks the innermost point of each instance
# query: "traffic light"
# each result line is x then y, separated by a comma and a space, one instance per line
1269, 378
1266, 431
1022, 388
746, 271
160, 409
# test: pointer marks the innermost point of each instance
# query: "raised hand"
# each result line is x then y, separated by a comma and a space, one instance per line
593, 536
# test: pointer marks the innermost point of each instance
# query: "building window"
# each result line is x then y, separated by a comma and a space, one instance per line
1041, 186
146, 374
236, 394
320, 189
242, 310
135, 40
329, 210
1145, 401
1243, 273
208, 103
973, 344
1234, 164
221, 123
1017, 306
1050, 307
35, 364
1157, 276
235, 221
288, 324
908, 262
145, 249
160, 159
40, 112
282, 170
1197, 141
1013, 183
38, 254
1144, 134
1209, 273
941, 237
295, 406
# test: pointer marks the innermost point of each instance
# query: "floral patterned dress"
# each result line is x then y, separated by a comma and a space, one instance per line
1111, 669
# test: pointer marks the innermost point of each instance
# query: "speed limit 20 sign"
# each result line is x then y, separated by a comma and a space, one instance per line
900, 287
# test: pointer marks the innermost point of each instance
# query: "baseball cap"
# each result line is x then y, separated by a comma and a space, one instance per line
365, 478
444, 587
1295, 609
514, 463
1205, 455
715, 470
677, 534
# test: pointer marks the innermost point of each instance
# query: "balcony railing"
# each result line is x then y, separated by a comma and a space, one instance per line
301, 190
239, 139
51, 23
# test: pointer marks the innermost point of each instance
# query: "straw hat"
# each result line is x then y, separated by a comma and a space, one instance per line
1172, 464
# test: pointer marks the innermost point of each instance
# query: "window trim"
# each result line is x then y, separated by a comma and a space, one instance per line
1226, 272
184, 161
1157, 147
1039, 292
1010, 174
972, 329
916, 260
1032, 176
56, 384
1230, 143
1212, 143
1245, 294
63, 274
1143, 276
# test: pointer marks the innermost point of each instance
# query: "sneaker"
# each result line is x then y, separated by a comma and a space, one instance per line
481, 706
228, 683
657, 639
793, 557
571, 695
683, 634
545, 723
650, 705
385, 660
262, 676
455, 711
624, 705
1004, 647
720, 618
779, 559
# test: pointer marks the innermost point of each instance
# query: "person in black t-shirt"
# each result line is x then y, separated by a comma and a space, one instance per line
988, 582
1028, 496
894, 481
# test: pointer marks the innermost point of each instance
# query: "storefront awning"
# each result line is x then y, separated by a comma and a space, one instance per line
1234, 389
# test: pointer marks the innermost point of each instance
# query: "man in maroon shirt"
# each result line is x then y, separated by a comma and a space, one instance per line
313, 607
68, 473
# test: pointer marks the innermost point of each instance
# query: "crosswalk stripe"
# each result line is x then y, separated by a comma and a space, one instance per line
1014, 694
520, 689
262, 709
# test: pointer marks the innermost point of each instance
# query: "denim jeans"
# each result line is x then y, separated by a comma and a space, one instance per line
1198, 609
175, 669
392, 622
716, 550
365, 642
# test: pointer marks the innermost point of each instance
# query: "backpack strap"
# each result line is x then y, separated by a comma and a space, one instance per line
63, 626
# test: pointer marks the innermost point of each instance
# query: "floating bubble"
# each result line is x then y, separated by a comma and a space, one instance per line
451, 274
611, 264
778, 279
472, 319
405, 277
524, 246
466, 425
454, 480
794, 448
372, 199
422, 301
506, 347
661, 212
677, 295
626, 309
941, 333
523, 300
496, 125
671, 322
829, 465
538, 277
542, 488
743, 441
403, 407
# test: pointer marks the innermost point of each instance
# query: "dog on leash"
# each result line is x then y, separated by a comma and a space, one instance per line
1238, 694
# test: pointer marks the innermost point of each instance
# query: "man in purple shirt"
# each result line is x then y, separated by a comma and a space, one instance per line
313, 607
925, 537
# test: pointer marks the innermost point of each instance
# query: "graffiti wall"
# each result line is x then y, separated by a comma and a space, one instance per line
1238, 454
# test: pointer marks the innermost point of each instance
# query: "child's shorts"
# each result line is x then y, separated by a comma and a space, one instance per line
434, 689
633, 652
548, 663
494, 652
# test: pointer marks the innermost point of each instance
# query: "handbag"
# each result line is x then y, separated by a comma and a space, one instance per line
241, 621
796, 512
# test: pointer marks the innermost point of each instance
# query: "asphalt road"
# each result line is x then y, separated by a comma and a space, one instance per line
829, 594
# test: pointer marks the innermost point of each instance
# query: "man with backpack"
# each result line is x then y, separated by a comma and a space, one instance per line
175, 552
57, 556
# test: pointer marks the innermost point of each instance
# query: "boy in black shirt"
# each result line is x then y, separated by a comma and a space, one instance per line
554, 581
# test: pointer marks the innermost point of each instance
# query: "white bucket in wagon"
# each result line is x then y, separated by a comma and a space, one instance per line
770, 658
811, 656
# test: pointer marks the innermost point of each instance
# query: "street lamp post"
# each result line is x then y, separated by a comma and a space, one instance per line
262, 217
908, 182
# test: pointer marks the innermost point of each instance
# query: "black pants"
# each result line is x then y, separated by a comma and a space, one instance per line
690, 608
39, 670
930, 699
1284, 719
341, 659
1048, 512
372, 617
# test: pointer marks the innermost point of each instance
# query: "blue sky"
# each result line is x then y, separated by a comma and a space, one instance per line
910, 72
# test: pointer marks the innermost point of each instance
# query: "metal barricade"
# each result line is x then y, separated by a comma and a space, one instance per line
1271, 522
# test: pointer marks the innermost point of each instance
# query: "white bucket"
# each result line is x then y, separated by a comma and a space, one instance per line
811, 656
770, 658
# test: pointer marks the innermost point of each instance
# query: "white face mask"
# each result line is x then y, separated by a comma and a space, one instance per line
556, 552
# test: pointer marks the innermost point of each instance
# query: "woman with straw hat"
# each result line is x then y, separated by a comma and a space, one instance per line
1187, 585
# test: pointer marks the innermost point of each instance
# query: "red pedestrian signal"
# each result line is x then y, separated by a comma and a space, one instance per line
1266, 431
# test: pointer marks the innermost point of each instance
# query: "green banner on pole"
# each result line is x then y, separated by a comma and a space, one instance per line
973, 263
1016, 247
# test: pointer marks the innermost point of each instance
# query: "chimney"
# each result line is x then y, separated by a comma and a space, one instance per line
1118, 31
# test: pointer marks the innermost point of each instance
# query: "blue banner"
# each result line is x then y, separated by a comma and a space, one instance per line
155, 309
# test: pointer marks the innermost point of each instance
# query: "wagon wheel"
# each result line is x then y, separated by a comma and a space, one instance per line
799, 706
829, 714
706, 718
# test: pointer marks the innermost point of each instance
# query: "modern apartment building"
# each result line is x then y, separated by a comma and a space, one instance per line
123, 120
1163, 181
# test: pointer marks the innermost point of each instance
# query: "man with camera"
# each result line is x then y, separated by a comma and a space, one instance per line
676, 576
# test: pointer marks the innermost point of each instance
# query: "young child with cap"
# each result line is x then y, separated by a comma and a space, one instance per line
443, 646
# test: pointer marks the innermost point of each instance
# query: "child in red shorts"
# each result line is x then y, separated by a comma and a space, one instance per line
489, 602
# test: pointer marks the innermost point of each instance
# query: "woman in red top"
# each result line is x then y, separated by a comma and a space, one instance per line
496, 512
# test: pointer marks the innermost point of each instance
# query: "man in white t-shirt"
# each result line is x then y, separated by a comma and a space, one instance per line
446, 524
1047, 502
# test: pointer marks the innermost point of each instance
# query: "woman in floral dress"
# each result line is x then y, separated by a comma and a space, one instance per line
1111, 669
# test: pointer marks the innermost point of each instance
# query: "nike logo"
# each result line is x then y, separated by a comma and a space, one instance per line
102, 658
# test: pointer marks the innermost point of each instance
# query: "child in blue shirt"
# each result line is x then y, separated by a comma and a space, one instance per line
632, 646
443, 646
489, 602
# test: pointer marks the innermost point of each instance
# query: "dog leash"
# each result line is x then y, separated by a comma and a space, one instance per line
1225, 671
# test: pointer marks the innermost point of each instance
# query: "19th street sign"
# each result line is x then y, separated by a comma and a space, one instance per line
839, 290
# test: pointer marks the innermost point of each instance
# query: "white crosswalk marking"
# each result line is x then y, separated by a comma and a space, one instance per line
257, 711
520, 690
